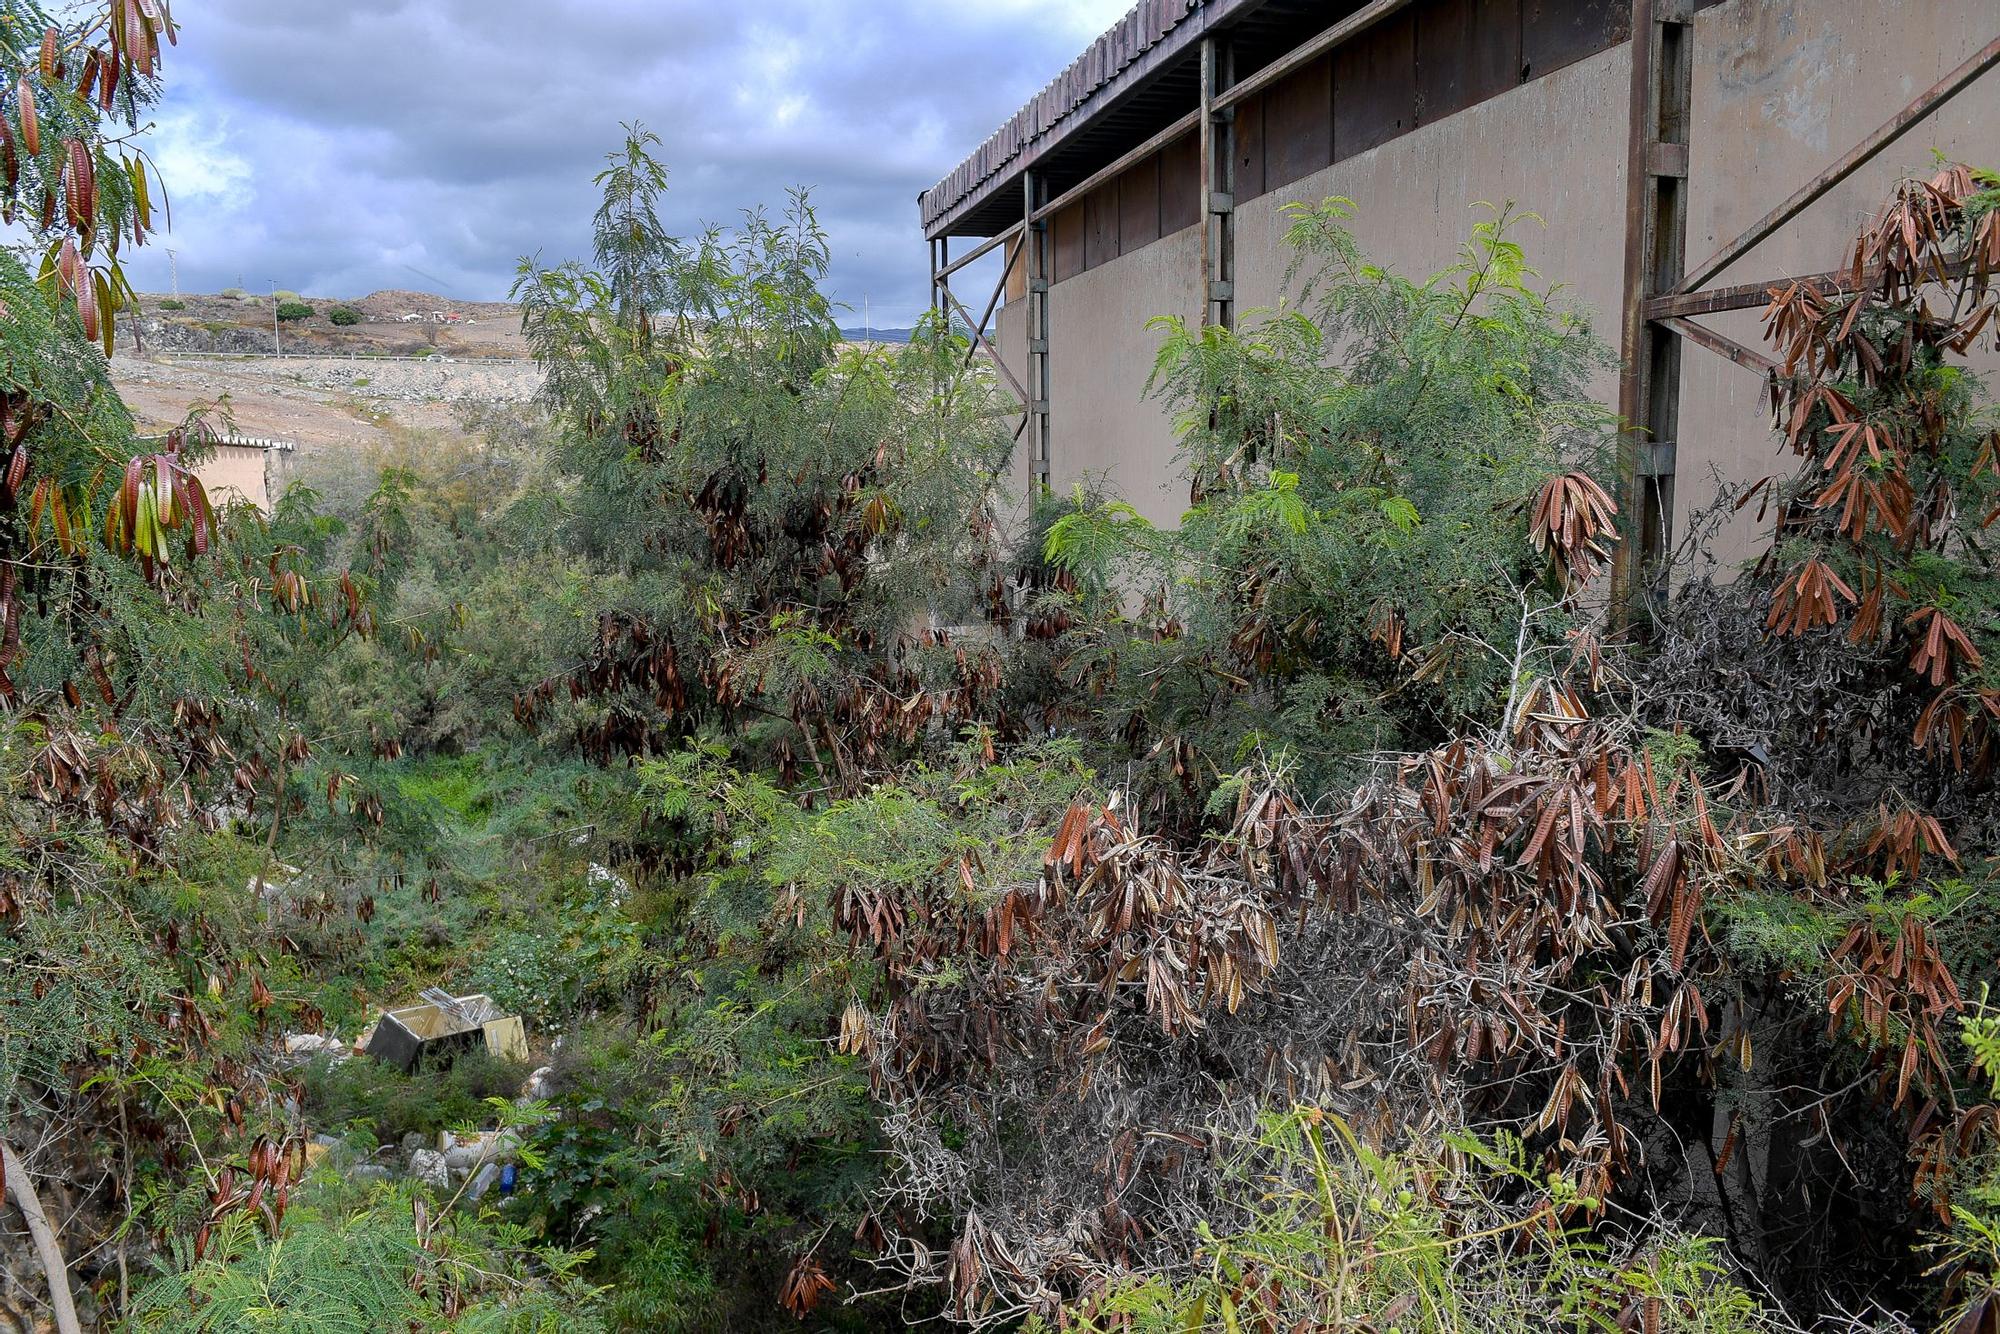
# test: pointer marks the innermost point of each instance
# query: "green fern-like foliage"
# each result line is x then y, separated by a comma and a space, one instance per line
1342, 1236
1354, 571
384, 1262
775, 512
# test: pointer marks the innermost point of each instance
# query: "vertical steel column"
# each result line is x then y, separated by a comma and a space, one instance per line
1035, 239
944, 276
1649, 381
1218, 185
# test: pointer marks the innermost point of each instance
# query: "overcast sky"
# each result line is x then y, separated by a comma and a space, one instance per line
339, 148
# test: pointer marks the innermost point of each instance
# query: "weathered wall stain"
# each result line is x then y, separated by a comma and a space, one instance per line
1791, 75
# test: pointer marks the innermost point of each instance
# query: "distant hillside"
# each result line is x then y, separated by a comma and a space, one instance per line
391, 322
388, 323
877, 335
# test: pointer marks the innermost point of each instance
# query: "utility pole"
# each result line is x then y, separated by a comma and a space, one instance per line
277, 343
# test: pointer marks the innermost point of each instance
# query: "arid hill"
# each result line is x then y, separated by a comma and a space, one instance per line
392, 323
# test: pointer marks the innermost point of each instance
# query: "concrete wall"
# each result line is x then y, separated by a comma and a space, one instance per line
1417, 197
233, 472
1108, 429
1781, 88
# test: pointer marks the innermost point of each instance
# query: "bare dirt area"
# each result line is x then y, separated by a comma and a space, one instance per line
394, 363
319, 403
397, 323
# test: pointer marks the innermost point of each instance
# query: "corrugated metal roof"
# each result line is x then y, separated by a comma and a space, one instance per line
1147, 25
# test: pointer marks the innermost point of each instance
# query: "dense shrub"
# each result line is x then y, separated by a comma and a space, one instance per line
294, 310
351, 1258
344, 316
1142, 961
1437, 1240
363, 1094
1313, 470
171, 304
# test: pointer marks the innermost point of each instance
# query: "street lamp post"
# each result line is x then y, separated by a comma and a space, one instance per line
277, 342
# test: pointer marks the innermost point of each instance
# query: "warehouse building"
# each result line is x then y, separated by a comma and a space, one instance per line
1684, 154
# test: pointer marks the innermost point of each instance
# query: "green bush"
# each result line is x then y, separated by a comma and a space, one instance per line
344, 316
294, 310
363, 1093
171, 304
234, 293
662, 1282
1364, 1240
283, 295
349, 1258
547, 973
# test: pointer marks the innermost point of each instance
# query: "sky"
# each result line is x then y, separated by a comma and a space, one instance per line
337, 149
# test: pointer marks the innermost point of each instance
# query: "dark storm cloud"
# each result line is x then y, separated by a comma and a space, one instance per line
336, 149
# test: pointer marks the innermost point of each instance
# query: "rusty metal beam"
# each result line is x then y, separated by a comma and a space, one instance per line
1218, 176
1632, 313
1185, 125
1659, 113
979, 337
979, 251
1723, 346
1035, 245
1857, 157
1006, 272
1748, 296
1205, 176
1742, 296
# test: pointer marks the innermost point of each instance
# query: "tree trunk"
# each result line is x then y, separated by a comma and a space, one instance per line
22, 1189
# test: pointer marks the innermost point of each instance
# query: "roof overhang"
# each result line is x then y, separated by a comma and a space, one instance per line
1137, 79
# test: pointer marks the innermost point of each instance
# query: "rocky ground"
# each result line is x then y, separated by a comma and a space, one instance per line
339, 387
395, 323
319, 403
180, 352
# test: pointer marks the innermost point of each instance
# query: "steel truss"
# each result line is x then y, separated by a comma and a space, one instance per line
1663, 293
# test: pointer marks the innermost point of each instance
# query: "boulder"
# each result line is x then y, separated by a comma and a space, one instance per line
429, 1167
464, 1155
303, 1047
